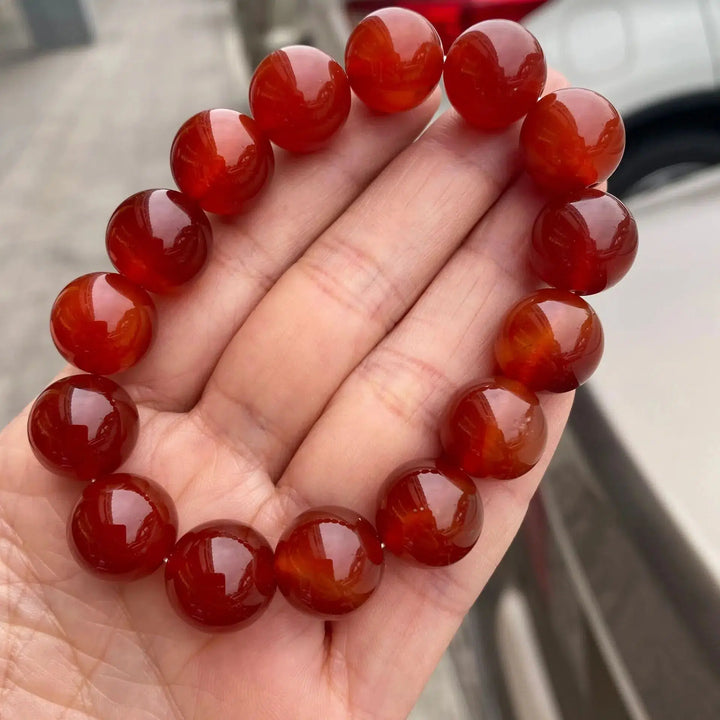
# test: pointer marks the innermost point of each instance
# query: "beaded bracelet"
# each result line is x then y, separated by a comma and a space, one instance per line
223, 574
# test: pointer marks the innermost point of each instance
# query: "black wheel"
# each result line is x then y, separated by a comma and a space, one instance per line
653, 161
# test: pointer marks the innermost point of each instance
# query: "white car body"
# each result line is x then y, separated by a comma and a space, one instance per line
658, 384
639, 53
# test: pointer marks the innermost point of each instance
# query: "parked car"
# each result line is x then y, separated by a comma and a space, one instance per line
608, 605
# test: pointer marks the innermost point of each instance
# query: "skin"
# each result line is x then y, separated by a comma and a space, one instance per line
314, 354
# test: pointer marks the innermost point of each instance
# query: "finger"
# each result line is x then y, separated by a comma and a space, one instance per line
328, 311
349, 289
389, 408
251, 251
388, 411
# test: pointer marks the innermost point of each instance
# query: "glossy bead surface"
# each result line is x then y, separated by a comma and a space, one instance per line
494, 73
102, 323
222, 160
571, 139
551, 340
393, 59
220, 576
83, 426
429, 513
158, 239
584, 242
494, 429
123, 527
300, 97
328, 561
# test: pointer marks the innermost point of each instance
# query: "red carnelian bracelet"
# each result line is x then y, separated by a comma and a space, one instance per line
330, 560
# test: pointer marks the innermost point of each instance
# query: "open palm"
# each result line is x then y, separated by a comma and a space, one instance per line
314, 354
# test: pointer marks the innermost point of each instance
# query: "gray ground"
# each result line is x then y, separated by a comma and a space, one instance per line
82, 129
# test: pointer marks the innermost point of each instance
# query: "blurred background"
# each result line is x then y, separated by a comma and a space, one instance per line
608, 605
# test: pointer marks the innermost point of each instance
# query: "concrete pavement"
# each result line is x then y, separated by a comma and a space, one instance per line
80, 130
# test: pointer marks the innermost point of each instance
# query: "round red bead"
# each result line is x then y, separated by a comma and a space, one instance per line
571, 139
222, 160
551, 340
220, 576
394, 59
300, 97
494, 73
158, 239
328, 561
584, 242
102, 323
429, 513
83, 426
494, 429
123, 527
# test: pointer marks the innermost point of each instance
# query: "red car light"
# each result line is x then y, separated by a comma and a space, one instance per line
476, 12
453, 16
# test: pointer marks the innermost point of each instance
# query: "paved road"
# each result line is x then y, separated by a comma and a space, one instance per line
79, 131
82, 129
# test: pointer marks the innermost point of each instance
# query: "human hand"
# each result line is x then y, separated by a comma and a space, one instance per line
314, 354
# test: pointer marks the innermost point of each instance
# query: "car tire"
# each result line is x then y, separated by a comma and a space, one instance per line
659, 159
